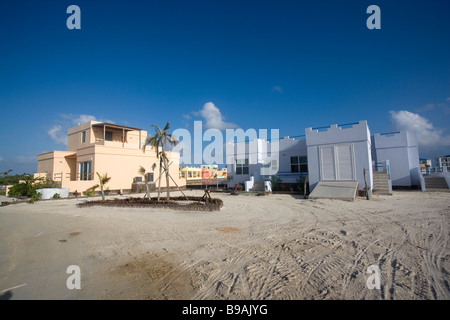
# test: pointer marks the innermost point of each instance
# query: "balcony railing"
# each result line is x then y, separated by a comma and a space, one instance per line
85, 176
58, 176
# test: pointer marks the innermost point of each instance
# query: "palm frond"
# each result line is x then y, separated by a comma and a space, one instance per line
158, 130
141, 171
104, 179
166, 127
172, 139
147, 142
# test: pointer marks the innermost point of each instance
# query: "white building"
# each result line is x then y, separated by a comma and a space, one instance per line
336, 152
425, 165
340, 154
442, 162
401, 149
256, 159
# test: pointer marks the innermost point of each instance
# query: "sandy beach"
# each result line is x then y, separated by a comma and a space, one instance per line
277, 246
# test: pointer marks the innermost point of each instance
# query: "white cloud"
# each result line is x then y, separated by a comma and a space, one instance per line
440, 107
82, 118
186, 116
427, 107
58, 135
427, 135
214, 118
278, 89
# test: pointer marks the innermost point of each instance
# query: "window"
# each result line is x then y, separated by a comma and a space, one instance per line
269, 168
189, 174
85, 170
108, 136
83, 137
299, 164
242, 166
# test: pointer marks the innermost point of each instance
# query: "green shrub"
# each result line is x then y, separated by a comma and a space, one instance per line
275, 181
56, 196
35, 197
28, 186
24, 189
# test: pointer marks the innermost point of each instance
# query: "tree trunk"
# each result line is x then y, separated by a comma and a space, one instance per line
103, 194
147, 188
167, 176
159, 182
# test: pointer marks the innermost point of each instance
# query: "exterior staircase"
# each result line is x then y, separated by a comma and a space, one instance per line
435, 183
380, 182
258, 186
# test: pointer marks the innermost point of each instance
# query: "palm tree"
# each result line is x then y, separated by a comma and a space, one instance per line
104, 179
6, 173
161, 138
143, 172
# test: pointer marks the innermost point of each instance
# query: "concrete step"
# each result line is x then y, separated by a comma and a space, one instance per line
385, 187
435, 183
386, 192
258, 186
433, 186
381, 190
343, 190
439, 183
380, 182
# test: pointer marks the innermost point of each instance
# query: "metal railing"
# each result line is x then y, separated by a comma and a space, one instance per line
85, 176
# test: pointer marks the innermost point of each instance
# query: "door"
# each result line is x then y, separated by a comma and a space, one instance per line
327, 160
336, 162
345, 162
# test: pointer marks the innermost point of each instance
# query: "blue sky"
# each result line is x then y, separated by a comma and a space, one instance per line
285, 65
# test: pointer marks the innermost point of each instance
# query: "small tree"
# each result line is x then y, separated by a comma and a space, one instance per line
6, 173
161, 138
104, 179
142, 172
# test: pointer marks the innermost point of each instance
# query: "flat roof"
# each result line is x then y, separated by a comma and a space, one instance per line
115, 126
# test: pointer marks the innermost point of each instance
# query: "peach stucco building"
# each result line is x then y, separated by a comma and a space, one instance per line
104, 148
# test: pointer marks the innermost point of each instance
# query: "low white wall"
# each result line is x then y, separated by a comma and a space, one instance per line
249, 184
48, 193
